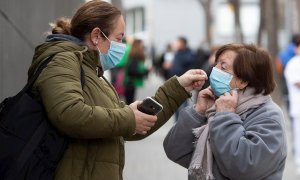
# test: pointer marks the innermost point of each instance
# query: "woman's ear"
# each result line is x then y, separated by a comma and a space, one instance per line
240, 84
95, 35
243, 84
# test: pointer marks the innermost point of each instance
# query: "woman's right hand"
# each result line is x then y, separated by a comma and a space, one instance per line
143, 121
205, 100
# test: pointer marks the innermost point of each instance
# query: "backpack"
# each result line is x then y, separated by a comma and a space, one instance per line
30, 146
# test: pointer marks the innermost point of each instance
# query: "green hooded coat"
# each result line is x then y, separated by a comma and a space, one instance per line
94, 118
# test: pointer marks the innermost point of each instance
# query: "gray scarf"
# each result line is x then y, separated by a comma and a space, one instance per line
202, 161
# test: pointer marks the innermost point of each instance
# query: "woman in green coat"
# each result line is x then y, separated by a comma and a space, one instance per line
135, 70
92, 116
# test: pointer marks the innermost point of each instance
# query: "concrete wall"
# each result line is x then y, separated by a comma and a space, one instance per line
22, 27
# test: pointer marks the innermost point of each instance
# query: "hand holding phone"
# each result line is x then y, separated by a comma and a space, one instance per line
150, 106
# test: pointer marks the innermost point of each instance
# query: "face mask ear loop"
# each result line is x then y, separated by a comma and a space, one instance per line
99, 56
98, 48
105, 36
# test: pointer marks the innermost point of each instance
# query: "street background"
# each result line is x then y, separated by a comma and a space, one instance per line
205, 23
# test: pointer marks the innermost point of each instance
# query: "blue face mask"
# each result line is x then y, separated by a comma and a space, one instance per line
114, 55
220, 81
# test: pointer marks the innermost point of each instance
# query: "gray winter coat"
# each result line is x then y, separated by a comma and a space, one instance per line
252, 149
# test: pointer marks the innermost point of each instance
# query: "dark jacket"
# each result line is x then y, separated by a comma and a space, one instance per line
184, 60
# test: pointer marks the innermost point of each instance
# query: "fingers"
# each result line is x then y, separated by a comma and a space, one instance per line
197, 71
208, 93
150, 124
144, 122
197, 74
233, 93
134, 105
199, 77
227, 102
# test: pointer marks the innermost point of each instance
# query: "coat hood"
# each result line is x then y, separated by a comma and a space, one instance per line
54, 44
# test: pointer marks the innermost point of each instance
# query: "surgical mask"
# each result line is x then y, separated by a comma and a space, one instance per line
220, 81
114, 55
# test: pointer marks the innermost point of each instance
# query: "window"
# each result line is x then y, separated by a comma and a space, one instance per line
135, 20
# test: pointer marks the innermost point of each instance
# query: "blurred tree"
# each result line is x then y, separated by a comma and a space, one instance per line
262, 21
269, 26
235, 5
271, 23
298, 14
206, 4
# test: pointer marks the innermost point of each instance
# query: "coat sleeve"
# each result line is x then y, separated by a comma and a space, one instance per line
170, 95
60, 90
179, 142
248, 151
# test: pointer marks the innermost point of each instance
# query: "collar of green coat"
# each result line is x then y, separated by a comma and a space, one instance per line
91, 59
87, 56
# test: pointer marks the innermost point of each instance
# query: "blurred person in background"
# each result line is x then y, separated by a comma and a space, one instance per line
135, 70
281, 61
235, 130
118, 72
166, 61
202, 55
292, 76
184, 59
93, 117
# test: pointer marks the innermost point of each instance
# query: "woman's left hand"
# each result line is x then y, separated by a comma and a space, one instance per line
227, 102
192, 79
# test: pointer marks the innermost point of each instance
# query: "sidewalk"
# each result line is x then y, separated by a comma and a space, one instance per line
146, 159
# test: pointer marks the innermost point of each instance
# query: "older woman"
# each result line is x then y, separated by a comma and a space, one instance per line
235, 130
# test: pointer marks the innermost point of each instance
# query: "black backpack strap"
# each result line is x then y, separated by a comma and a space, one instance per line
37, 73
34, 77
41, 68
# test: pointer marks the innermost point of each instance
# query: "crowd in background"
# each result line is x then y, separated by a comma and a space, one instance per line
131, 71
176, 59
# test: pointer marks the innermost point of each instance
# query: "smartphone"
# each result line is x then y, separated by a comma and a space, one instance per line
150, 106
